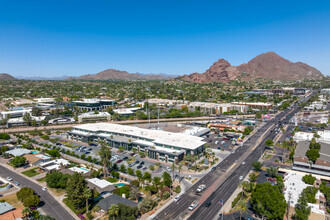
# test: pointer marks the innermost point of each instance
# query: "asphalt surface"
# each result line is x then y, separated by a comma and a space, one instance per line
48, 203
223, 192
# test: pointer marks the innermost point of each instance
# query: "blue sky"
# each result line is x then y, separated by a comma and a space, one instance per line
54, 38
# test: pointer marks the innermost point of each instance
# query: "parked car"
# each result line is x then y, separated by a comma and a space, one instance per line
119, 161
125, 158
137, 162
1, 195
142, 163
131, 164
139, 167
168, 169
9, 178
177, 198
26, 166
145, 168
44, 189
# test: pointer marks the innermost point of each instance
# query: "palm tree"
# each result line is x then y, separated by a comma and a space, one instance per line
87, 194
242, 208
244, 185
180, 168
173, 167
105, 156
113, 211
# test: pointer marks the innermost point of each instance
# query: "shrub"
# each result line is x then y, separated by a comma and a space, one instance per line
236, 200
309, 179
4, 136
166, 195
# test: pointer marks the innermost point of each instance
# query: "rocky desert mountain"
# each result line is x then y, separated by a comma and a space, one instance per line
267, 65
6, 76
113, 74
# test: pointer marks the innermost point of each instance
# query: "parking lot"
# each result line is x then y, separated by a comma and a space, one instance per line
219, 142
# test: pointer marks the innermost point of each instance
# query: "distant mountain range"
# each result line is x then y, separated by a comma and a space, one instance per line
112, 74
6, 76
267, 65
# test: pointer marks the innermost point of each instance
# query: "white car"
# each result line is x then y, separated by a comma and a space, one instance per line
9, 178
168, 169
177, 198
44, 189
241, 178
193, 205
201, 188
243, 163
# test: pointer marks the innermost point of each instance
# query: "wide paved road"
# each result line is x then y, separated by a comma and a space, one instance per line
227, 187
51, 206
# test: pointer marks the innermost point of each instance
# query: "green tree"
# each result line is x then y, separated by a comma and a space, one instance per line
139, 175
258, 115
57, 180
253, 177
167, 180
75, 189
146, 205
147, 176
105, 156
87, 195
122, 168
309, 179
269, 143
302, 210
313, 154
257, 165
272, 171
268, 201
130, 171
243, 208
113, 211
18, 161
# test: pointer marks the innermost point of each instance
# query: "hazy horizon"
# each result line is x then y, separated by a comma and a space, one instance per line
54, 39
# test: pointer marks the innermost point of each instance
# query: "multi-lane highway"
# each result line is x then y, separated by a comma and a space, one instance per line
226, 177
50, 205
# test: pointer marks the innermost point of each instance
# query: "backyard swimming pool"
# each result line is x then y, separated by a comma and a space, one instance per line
120, 184
34, 151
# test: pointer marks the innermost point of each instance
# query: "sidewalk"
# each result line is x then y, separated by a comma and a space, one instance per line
49, 191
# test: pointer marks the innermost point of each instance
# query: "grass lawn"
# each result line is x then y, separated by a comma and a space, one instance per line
12, 199
68, 204
31, 172
112, 180
42, 179
58, 192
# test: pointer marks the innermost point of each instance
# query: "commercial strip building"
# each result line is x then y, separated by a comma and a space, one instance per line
261, 105
15, 114
94, 104
321, 165
92, 116
204, 107
157, 144
126, 111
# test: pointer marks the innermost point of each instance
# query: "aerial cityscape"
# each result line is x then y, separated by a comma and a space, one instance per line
165, 110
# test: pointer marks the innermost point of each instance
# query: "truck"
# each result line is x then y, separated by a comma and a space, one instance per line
201, 188
193, 205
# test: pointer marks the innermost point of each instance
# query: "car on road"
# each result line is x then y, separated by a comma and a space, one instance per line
193, 205
201, 188
241, 178
9, 178
177, 198
213, 168
16, 183
208, 203
243, 163
44, 189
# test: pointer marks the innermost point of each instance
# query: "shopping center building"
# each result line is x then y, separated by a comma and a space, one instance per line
156, 144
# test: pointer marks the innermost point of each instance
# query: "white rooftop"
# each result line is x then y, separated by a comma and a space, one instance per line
79, 170
294, 186
18, 152
99, 183
41, 156
92, 114
157, 136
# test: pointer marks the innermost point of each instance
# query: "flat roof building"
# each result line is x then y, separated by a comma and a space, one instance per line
94, 104
92, 116
5, 207
54, 165
157, 144
18, 152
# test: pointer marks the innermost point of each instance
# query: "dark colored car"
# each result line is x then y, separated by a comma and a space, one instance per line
144, 168
136, 162
58, 144
142, 163
119, 161
139, 167
213, 168
26, 166
208, 203
125, 158
94, 145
